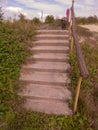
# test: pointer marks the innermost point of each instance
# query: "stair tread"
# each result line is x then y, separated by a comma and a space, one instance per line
46, 91
45, 77
48, 65
48, 106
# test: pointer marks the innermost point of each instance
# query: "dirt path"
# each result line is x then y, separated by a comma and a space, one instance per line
91, 27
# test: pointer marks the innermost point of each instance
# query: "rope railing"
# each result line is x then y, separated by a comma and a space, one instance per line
80, 59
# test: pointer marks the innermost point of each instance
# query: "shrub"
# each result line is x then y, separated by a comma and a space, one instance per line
49, 19
36, 20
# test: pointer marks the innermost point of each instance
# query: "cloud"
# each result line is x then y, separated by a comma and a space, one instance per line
13, 12
15, 9
33, 8
45, 6
68, 2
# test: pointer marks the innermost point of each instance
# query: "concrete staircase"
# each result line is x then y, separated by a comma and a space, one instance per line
46, 74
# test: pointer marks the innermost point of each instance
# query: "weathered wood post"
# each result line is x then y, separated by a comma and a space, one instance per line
77, 94
70, 30
80, 78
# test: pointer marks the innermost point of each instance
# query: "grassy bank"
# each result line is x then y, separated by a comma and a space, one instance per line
13, 41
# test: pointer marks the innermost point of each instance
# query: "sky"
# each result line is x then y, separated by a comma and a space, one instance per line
57, 8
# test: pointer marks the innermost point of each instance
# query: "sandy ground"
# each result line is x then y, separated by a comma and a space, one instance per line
91, 27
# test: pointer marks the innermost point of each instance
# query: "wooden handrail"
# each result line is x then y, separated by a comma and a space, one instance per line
81, 63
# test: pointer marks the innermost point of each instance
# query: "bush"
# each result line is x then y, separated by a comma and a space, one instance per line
1, 15
49, 19
36, 20
87, 20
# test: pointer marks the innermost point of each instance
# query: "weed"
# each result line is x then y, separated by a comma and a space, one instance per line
39, 121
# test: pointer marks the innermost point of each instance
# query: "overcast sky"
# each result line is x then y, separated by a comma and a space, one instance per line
33, 8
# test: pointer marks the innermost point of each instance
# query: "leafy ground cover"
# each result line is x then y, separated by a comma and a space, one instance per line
13, 37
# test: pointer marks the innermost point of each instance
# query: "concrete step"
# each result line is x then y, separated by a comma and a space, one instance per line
45, 92
44, 70
60, 32
52, 56
51, 36
48, 106
50, 49
45, 78
33, 60
48, 66
44, 43
51, 43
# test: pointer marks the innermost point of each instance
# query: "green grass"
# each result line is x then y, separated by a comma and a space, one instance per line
39, 121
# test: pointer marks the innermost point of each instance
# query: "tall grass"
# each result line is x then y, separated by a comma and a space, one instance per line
13, 40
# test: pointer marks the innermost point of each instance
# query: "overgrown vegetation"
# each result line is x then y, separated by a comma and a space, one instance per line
85, 119
14, 38
87, 20
39, 121
13, 50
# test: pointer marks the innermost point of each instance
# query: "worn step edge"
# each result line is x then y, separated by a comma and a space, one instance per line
45, 83
49, 51
52, 32
49, 41
24, 84
33, 60
50, 44
44, 70
43, 98
46, 37
51, 35
48, 66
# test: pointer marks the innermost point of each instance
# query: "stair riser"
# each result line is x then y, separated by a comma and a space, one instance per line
49, 51
51, 38
44, 70
33, 60
45, 83
51, 44
60, 32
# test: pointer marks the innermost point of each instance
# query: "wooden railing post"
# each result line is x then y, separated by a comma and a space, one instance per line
71, 44
81, 63
73, 4
77, 94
